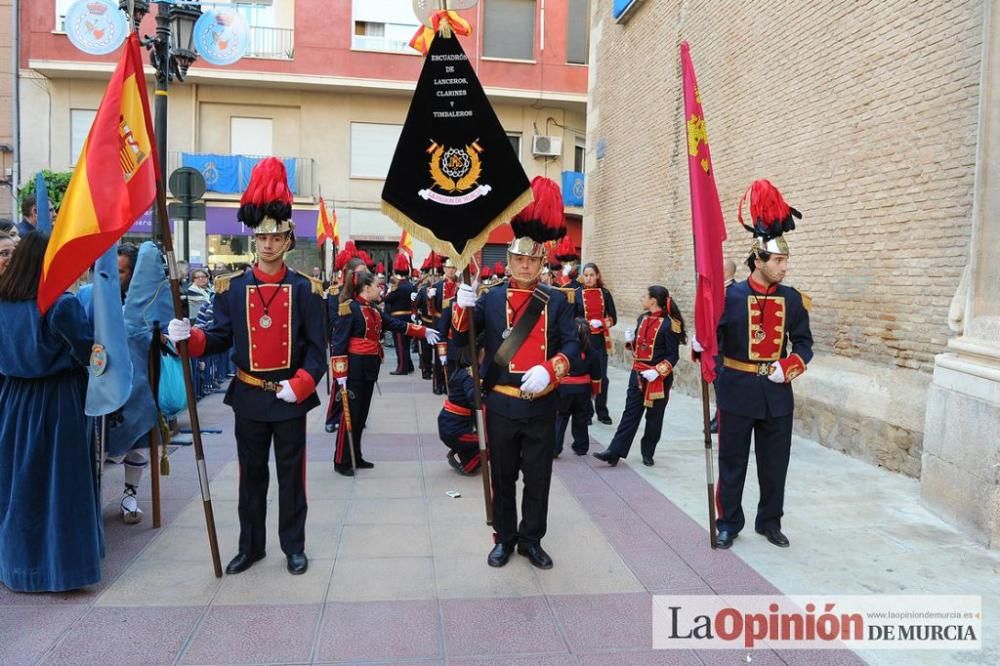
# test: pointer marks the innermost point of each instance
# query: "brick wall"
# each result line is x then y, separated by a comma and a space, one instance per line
863, 113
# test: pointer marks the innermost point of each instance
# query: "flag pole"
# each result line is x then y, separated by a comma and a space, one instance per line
182, 350
709, 462
477, 407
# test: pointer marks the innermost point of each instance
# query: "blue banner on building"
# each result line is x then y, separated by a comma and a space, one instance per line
572, 187
230, 174
621, 7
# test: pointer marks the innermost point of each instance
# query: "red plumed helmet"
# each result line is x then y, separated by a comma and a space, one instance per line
401, 264
485, 273
380, 268
266, 205
770, 214
342, 258
566, 250
351, 248
543, 219
499, 268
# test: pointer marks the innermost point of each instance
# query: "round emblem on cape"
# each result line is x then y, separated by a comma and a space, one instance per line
222, 36
265, 322
96, 27
98, 360
455, 163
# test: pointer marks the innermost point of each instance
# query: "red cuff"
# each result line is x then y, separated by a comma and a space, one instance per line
595, 387
459, 319
338, 367
557, 366
664, 368
303, 385
415, 331
792, 367
197, 342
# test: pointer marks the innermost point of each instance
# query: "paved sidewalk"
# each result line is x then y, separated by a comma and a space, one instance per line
398, 572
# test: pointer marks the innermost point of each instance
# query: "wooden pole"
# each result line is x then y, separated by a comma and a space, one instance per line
477, 405
709, 462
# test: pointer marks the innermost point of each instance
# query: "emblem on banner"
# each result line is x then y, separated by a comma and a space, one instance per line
222, 36
98, 360
96, 27
455, 173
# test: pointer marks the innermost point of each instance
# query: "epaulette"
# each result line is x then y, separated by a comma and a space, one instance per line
333, 291
807, 301
570, 294
222, 282
317, 285
675, 326
345, 308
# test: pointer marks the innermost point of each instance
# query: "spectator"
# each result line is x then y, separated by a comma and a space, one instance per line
127, 255
9, 228
183, 274
49, 518
29, 216
199, 293
7, 244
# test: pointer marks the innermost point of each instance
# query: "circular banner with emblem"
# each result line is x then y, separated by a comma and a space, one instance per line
96, 27
221, 36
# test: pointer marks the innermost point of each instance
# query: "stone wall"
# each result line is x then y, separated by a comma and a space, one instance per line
864, 115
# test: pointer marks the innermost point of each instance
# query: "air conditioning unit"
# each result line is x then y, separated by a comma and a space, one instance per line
546, 146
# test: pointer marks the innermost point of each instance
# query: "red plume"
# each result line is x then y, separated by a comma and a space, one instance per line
351, 248
566, 251
427, 263
267, 194
485, 273
401, 264
770, 214
342, 258
543, 219
499, 268
380, 267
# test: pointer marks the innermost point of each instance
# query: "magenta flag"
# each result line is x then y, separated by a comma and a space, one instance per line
706, 222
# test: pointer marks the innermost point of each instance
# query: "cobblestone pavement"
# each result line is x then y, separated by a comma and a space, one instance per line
398, 574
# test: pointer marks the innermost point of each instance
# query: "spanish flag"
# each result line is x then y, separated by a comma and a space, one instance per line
324, 228
113, 184
406, 244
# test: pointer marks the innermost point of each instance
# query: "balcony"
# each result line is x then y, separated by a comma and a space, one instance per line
271, 43
229, 174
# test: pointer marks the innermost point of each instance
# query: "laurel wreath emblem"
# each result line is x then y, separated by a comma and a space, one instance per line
454, 169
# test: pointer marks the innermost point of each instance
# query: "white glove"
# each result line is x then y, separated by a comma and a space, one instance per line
179, 329
596, 323
413, 297
342, 382
286, 393
696, 346
777, 375
535, 380
414, 319
432, 292
431, 335
466, 296
629, 335
649, 375
567, 269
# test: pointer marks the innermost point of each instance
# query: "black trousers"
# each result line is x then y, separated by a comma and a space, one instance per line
575, 407
466, 446
520, 446
359, 402
426, 352
629, 424
772, 445
404, 363
253, 444
438, 381
601, 399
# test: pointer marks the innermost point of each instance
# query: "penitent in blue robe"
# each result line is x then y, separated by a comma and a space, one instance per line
50, 537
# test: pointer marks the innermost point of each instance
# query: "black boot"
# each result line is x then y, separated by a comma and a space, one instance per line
607, 457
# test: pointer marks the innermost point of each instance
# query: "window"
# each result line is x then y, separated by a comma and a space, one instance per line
372, 147
580, 155
62, 6
250, 136
509, 29
257, 13
80, 121
386, 25
578, 32
515, 143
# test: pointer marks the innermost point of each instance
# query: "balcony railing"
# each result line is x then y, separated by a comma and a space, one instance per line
229, 174
272, 43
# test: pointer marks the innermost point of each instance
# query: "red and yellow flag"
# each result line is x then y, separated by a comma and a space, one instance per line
406, 244
336, 229
113, 184
324, 228
706, 221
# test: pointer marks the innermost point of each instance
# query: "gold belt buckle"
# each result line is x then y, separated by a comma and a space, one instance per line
763, 369
527, 396
273, 387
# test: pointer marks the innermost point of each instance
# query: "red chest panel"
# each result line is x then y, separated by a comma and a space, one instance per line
766, 333
534, 351
373, 324
593, 303
645, 338
450, 289
270, 345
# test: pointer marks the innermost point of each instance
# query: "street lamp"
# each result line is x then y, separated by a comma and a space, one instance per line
171, 52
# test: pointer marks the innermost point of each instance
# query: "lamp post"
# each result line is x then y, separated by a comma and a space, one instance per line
171, 52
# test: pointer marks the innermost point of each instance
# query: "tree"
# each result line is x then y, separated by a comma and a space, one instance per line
56, 183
